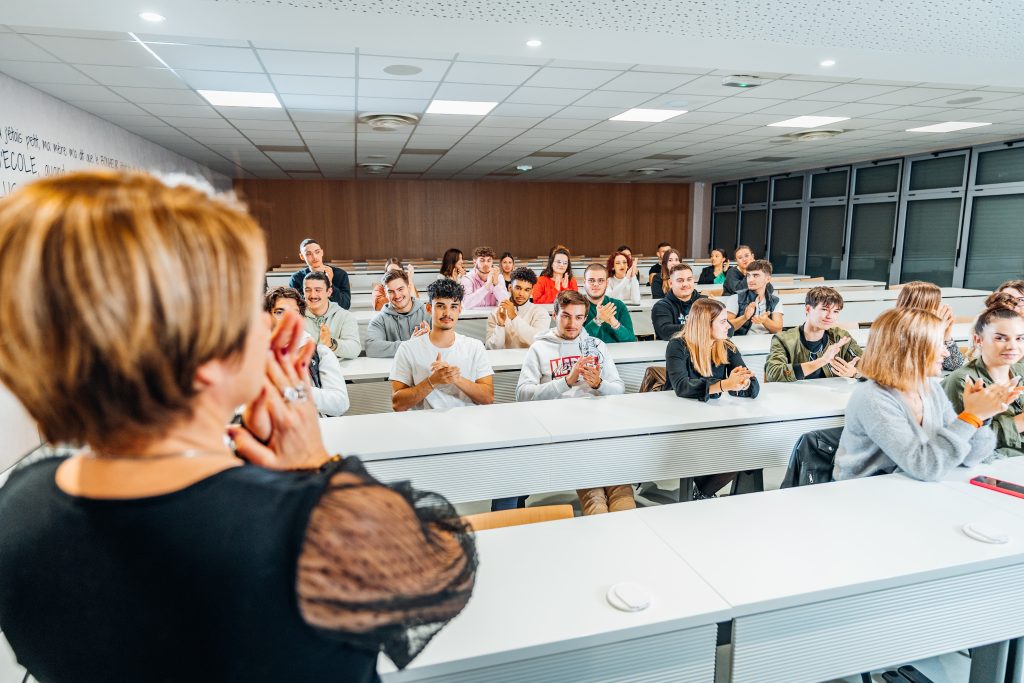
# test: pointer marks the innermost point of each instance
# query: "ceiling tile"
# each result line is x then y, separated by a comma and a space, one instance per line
373, 67
43, 72
189, 40
530, 95
85, 93
246, 113
389, 105
740, 105
308, 63
256, 124
415, 163
274, 138
912, 96
492, 59
496, 74
850, 92
226, 80
900, 113
159, 95
415, 90
783, 89
69, 32
319, 102
314, 115
208, 58
150, 77
198, 122
102, 52
515, 109
552, 77
473, 92
314, 85
609, 98
182, 110
637, 81
108, 109
707, 85
592, 113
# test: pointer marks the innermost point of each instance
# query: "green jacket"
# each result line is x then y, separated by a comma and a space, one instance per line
1008, 439
604, 332
788, 352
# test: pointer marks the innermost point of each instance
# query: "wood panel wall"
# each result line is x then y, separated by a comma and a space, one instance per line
423, 218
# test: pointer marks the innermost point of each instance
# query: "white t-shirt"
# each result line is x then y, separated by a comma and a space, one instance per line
415, 356
759, 309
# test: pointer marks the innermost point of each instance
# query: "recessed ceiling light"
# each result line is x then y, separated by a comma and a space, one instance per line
947, 127
151, 16
648, 115
523, 168
461, 107
533, 43
965, 100
230, 98
809, 121
827, 62
402, 70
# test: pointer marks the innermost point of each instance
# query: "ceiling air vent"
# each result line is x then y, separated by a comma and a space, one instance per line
650, 170
386, 123
375, 168
805, 135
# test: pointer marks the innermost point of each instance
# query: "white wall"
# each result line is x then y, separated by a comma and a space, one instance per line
41, 135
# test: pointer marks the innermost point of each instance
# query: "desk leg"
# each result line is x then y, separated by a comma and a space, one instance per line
988, 663
1015, 662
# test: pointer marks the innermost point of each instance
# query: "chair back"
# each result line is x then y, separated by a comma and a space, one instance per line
504, 518
655, 378
813, 458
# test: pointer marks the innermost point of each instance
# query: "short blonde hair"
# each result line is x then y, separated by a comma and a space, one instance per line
919, 294
114, 289
902, 347
705, 350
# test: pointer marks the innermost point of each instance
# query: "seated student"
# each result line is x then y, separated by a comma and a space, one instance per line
330, 394
701, 363
484, 285
928, 296
622, 282
901, 420
735, 276
816, 349
403, 318
441, 369
380, 296
327, 322
668, 315
453, 266
715, 273
555, 277
999, 347
608, 319
1013, 289
566, 362
508, 264
656, 268
659, 283
517, 321
312, 253
758, 309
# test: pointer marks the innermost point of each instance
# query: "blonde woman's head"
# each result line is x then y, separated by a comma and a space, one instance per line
905, 348
920, 294
119, 294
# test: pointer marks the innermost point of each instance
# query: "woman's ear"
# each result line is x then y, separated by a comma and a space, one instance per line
211, 373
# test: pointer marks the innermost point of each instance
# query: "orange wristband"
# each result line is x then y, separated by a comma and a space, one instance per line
971, 419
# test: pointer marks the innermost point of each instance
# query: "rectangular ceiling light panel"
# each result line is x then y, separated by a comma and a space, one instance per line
947, 127
229, 98
464, 108
809, 121
648, 115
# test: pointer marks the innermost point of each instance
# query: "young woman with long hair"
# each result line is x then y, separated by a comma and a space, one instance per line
928, 296
452, 265
659, 284
555, 277
715, 273
901, 419
622, 282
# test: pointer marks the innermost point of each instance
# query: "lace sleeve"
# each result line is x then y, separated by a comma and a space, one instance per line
383, 567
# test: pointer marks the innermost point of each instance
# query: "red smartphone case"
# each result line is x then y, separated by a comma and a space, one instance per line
992, 487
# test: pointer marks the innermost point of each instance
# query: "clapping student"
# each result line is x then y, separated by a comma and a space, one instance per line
999, 347
403, 318
901, 420
484, 285
608, 319
312, 254
656, 268
736, 276
622, 282
818, 348
452, 265
758, 309
928, 296
659, 283
380, 295
517, 321
326, 321
715, 273
566, 362
508, 264
441, 369
668, 315
330, 395
701, 363
556, 277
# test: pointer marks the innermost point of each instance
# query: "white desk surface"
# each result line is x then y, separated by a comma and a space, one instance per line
1009, 469
541, 588
817, 543
509, 425
841, 285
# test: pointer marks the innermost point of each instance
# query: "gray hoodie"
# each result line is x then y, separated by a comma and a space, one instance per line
389, 328
549, 361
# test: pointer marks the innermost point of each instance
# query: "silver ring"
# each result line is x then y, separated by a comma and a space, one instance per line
296, 393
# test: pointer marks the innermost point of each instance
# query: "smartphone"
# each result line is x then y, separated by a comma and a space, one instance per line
999, 485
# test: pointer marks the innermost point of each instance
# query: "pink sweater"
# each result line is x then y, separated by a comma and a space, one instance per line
481, 293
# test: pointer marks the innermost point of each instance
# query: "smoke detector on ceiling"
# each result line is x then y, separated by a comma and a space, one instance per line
805, 135
651, 170
387, 123
742, 81
375, 168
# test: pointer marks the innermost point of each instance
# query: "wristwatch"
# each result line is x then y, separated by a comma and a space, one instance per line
334, 344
